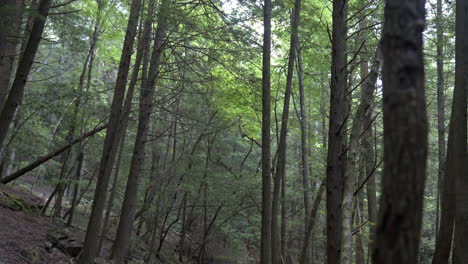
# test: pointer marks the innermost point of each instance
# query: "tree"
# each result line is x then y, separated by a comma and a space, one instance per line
278, 248
10, 22
127, 216
25, 63
405, 134
265, 239
113, 134
336, 158
459, 118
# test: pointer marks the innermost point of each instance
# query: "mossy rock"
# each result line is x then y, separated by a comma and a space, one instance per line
15, 203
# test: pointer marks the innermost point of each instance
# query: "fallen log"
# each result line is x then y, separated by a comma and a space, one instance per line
41, 160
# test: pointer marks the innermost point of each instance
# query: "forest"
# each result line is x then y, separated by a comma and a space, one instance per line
234, 131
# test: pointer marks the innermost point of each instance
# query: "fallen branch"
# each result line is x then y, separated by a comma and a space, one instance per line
41, 160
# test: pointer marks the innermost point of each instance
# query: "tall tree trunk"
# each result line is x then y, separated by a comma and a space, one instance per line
453, 165
405, 134
282, 146
15, 95
265, 239
367, 154
10, 21
440, 105
336, 158
304, 145
111, 141
460, 252
125, 227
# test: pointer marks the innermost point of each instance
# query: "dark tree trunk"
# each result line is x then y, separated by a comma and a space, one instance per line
15, 95
282, 146
10, 21
459, 113
127, 216
336, 158
304, 144
265, 247
405, 134
440, 106
111, 141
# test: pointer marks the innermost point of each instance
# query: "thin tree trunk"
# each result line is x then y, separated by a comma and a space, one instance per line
113, 192
76, 189
304, 145
282, 146
336, 159
405, 134
310, 225
41, 160
74, 120
440, 105
111, 141
265, 239
453, 165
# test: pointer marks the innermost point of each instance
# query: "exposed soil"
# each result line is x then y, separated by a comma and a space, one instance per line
23, 232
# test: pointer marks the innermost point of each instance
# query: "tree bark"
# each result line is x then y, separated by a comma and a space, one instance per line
282, 146
405, 134
111, 141
265, 239
304, 145
125, 227
311, 223
336, 158
10, 22
15, 96
440, 105
460, 252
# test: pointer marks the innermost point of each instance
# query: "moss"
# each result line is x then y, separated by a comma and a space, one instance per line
13, 202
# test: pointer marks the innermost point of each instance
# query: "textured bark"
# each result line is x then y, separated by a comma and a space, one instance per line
455, 158
127, 216
111, 141
304, 146
310, 225
357, 128
405, 134
15, 96
282, 146
460, 241
440, 105
10, 21
265, 235
367, 155
336, 158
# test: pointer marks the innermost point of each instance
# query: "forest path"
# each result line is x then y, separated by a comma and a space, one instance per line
24, 232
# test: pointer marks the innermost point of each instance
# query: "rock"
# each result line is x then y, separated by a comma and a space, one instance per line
62, 240
70, 246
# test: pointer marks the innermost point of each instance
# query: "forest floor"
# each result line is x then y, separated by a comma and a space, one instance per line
25, 235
